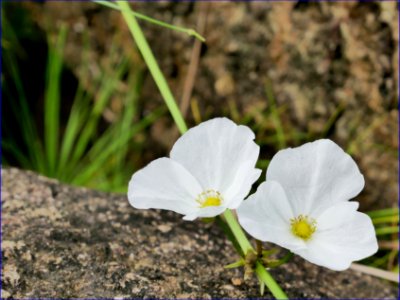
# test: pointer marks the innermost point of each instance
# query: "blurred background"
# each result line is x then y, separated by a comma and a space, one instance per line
80, 105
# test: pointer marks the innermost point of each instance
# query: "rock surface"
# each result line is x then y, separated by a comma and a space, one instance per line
62, 241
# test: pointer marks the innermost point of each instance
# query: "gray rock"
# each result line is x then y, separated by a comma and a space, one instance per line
62, 241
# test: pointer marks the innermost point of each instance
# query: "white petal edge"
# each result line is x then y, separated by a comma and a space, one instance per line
241, 185
316, 175
266, 216
214, 152
337, 215
206, 212
164, 184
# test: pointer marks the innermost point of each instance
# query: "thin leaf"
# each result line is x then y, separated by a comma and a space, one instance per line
386, 230
20, 104
77, 117
275, 115
104, 96
152, 65
188, 31
102, 158
52, 100
383, 212
236, 264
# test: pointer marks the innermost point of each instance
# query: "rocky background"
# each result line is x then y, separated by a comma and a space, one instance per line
65, 242
332, 68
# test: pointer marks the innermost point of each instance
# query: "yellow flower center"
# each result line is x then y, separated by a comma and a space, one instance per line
303, 227
209, 198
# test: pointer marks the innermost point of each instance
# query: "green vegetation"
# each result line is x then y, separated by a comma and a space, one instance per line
386, 222
79, 154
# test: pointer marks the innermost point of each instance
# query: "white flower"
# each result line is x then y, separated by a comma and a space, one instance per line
303, 206
211, 168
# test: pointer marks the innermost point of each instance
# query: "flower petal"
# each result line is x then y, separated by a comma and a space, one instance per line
266, 216
346, 236
214, 152
205, 212
164, 184
336, 215
241, 185
315, 176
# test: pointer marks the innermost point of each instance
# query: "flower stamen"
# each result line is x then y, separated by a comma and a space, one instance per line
303, 227
209, 198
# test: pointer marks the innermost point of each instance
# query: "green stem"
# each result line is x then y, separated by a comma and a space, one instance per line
237, 231
244, 243
270, 282
188, 31
152, 65
228, 232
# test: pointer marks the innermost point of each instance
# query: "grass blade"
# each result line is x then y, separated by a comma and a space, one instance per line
383, 212
19, 104
389, 219
77, 117
275, 115
135, 81
188, 31
19, 156
52, 100
386, 230
98, 164
107, 87
152, 65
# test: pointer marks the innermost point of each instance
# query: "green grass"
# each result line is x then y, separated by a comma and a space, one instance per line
386, 222
34, 158
52, 101
78, 152
275, 117
152, 64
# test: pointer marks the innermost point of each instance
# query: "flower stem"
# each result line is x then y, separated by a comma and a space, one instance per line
237, 231
245, 245
270, 282
151, 63
228, 232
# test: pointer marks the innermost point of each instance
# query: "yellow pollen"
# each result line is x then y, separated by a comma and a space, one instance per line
303, 227
211, 201
209, 198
